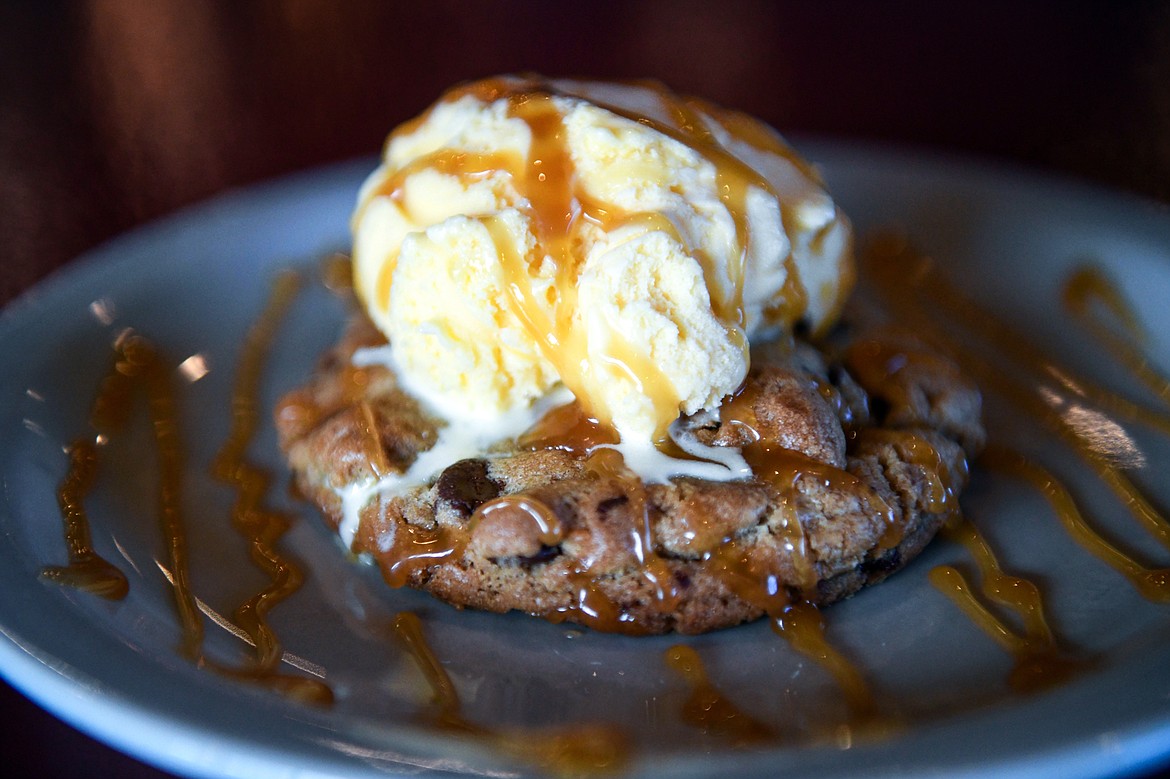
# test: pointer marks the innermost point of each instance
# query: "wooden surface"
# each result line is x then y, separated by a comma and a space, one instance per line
113, 113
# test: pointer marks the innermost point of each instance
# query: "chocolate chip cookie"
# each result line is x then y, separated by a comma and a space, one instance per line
857, 452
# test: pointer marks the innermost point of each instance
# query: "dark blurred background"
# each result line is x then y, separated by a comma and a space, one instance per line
114, 112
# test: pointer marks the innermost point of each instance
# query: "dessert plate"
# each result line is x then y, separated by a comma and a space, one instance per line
195, 283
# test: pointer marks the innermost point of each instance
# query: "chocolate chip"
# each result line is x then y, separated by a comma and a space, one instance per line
887, 563
527, 562
545, 554
604, 507
879, 409
466, 485
609, 504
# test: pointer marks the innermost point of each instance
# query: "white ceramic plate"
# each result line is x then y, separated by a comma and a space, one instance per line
193, 283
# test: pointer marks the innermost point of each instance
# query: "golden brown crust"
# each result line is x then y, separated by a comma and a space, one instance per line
867, 498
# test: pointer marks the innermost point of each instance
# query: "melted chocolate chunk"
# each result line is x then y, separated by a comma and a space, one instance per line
887, 563
466, 485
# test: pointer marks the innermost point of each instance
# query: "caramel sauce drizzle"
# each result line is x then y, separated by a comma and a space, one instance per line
1152, 583
568, 428
755, 581
260, 526
1123, 343
710, 710
733, 176
785, 468
733, 182
136, 365
550, 531
802, 624
607, 463
414, 548
584, 749
594, 608
1147, 515
87, 570
547, 178
142, 360
754, 133
897, 257
560, 209
748, 576
590, 605
734, 179
1039, 662
336, 274
916, 450
879, 362
409, 630
372, 442
782, 469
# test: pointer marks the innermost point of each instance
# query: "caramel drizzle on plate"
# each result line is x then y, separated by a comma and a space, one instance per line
87, 570
1039, 662
1084, 286
1123, 341
890, 261
262, 527
1152, 583
582, 749
708, 709
1036, 658
802, 624
336, 275
139, 365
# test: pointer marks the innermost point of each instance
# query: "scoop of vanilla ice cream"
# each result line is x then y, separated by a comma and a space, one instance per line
616, 240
